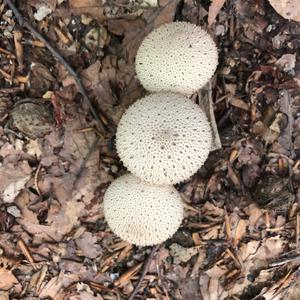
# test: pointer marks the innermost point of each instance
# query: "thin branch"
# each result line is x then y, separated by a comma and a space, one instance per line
58, 56
144, 271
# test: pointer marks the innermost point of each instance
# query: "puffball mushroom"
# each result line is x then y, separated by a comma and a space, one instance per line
163, 138
141, 213
176, 57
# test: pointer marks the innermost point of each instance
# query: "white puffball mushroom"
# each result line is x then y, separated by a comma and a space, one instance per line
163, 138
141, 213
177, 57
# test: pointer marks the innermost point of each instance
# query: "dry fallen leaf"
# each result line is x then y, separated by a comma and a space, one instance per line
286, 62
13, 179
214, 10
4, 295
210, 285
85, 293
86, 296
255, 213
87, 244
8, 280
239, 103
52, 288
93, 8
288, 9
181, 254
240, 231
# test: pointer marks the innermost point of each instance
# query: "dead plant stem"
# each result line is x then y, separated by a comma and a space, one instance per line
144, 271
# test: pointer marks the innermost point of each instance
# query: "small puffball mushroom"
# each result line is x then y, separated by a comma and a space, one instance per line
141, 213
163, 138
176, 57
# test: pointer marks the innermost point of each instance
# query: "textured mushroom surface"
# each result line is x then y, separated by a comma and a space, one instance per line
177, 57
163, 138
141, 213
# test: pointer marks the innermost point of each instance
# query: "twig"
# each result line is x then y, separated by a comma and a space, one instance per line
284, 261
19, 48
26, 253
12, 90
9, 54
59, 57
36, 184
297, 229
144, 271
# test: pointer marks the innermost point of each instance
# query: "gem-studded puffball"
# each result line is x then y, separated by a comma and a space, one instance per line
176, 57
163, 138
141, 213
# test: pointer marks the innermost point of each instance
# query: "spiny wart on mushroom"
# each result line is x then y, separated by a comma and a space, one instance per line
141, 213
163, 138
176, 57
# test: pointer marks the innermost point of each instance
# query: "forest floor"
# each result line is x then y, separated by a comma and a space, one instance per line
240, 235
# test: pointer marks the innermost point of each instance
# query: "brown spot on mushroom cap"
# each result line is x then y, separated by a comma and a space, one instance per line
163, 138
176, 57
141, 213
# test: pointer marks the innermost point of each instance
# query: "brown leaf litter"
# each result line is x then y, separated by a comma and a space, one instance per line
240, 235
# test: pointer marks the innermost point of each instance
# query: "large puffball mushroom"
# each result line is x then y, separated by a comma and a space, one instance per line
141, 213
177, 57
163, 138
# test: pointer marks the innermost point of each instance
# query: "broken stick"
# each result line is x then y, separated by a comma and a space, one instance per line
144, 271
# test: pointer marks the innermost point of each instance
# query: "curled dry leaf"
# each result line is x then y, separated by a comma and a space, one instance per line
8, 280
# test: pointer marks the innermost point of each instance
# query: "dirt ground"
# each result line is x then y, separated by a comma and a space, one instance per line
240, 235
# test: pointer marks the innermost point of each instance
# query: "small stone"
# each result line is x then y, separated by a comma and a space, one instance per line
34, 119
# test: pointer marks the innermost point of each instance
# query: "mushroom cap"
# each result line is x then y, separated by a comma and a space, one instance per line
141, 213
163, 138
176, 57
